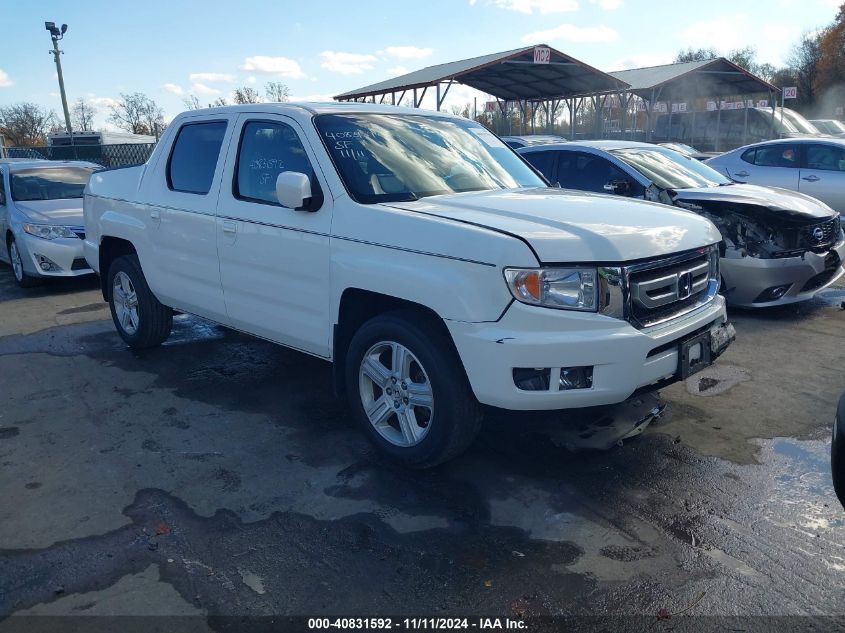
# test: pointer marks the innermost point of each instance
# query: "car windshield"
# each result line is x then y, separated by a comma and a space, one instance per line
836, 127
785, 124
671, 170
683, 148
799, 123
48, 183
391, 158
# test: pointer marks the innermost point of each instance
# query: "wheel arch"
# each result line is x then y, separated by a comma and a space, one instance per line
110, 249
357, 306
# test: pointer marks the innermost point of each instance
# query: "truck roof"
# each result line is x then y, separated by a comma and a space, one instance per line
326, 107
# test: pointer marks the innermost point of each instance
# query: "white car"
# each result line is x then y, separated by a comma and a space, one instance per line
813, 166
414, 250
830, 126
41, 218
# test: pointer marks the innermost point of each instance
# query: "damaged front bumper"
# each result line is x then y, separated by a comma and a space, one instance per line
577, 360
756, 282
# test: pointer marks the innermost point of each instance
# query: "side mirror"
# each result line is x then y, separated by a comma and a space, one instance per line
293, 189
619, 187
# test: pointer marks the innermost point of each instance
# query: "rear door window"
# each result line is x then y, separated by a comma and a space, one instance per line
825, 157
193, 159
779, 155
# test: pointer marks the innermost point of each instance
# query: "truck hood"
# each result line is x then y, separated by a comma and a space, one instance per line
62, 212
789, 205
572, 226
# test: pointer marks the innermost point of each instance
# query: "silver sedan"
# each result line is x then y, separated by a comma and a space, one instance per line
777, 246
815, 166
41, 218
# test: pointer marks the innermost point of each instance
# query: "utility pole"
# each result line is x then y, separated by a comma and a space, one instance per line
56, 35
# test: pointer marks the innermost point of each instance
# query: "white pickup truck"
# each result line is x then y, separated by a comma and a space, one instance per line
417, 252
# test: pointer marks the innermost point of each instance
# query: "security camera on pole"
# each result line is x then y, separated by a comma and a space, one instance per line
57, 34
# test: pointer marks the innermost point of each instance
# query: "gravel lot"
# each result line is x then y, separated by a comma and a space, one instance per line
219, 475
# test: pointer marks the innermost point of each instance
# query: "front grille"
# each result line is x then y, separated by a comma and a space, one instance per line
819, 236
666, 288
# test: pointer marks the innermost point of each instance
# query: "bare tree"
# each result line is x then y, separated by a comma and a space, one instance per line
26, 124
139, 114
695, 55
82, 115
276, 91
192, 102
804, 62
246, 95
219, 101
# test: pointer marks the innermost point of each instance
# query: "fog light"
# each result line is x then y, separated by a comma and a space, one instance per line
576, 378
773, 293
532, 378
46, 264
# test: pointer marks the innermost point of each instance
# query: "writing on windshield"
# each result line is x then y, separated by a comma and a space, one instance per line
388, 157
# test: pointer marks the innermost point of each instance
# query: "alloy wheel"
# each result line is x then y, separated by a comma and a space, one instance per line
396, 393
15, 257
125, 301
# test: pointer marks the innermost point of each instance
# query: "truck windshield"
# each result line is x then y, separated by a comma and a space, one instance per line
671, 170
48, 183
391, 158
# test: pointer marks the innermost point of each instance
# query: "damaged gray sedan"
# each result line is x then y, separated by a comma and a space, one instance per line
778, 246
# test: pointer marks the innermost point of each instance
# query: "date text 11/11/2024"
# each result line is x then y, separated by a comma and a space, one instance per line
431, 624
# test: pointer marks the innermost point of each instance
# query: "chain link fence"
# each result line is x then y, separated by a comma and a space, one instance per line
105, 155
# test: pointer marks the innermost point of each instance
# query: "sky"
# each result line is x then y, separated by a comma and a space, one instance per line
171, 49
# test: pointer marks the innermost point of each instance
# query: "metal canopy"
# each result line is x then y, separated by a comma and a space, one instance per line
511, 75
691, 80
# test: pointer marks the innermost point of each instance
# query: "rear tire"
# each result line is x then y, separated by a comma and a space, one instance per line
141, 320
21, 277
420, 412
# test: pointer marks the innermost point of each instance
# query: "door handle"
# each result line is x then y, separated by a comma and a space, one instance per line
741, 174
155, 214
811, 178
229, 227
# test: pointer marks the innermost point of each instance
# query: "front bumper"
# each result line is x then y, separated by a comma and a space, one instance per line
624, 359
66, 255
746, 278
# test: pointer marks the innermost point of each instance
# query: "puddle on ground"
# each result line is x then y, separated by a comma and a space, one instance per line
716, 380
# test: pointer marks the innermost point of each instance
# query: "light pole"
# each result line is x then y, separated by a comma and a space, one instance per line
57, 34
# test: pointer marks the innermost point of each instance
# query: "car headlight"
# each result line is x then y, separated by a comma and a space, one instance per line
48, 231
563, 288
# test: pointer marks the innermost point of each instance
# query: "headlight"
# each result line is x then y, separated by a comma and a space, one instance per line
48, 231
563, 288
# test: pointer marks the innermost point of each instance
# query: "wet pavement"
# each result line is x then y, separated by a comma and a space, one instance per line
218, 475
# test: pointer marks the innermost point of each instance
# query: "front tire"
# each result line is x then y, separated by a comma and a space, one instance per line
837, 452
408, 390
21, 277
141, 320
